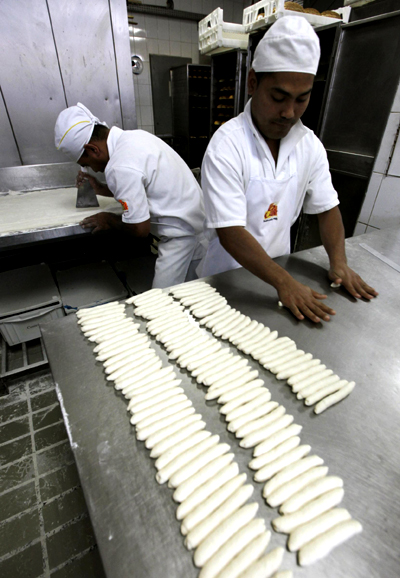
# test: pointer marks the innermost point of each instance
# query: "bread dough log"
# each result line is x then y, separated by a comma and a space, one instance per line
140, 300
265, 338
193, 288
241, 399
167, 431
307, 532
236, 328
149, 392
283, 574
138, 406
223, 313
291, 457
136, 367
294, 370
113, 363
289, 489
193, 298
207, 489
131, 330
129, 346
196, 344
171, 310
274, 347
240, 372
200, 312
166, 443
249, 333
322, 545
247, 556
241, 332
249, 406
185, 360
191, 441
175, 400
325, 391
265, 566
196, 464
143, 296
98, 309
292, 357
223, 532
299, 377
142, 433
231, 548
184, 458
220, 326
310, 389
276, 439
146, 309
99, 322
233, 394
208, 506
207, 299
233, 386
303, 383
227, 369
277, 452
334, 398
181, 336
207, 363
286, 524
311, 492
285, 357
102, 334
201, 476
273, 356
264, 433
164, 414
130, 384
291, 472
165, 381
261, 422
232, 504
260, 411
166, 324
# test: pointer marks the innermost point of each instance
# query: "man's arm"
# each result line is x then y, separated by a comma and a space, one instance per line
332, 236
98, 187
106, 221
300, 299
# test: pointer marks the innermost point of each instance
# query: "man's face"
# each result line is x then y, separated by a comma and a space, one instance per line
278, 101
94, 157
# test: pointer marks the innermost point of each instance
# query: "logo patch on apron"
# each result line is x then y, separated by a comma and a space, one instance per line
272, 213
124, 205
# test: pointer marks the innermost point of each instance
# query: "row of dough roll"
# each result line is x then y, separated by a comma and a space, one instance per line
217, 521
295, 481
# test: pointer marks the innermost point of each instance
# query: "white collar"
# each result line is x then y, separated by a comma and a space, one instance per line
112, 139
287, 144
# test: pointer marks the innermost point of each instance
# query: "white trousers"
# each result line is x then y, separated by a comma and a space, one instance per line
177, 260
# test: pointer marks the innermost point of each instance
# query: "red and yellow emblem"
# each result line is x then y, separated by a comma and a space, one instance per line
271, 213
124, 205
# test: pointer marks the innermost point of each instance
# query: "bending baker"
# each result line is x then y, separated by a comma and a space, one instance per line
155, 187
263, 166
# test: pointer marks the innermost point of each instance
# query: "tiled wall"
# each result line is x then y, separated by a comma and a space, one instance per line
381, 208
172, 37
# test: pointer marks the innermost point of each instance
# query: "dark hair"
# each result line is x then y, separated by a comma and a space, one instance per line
100, 132
260, 76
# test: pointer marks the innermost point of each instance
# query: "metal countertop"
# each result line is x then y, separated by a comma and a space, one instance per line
134, 517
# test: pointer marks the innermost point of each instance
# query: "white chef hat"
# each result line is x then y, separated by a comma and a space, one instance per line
290, 45
74, 128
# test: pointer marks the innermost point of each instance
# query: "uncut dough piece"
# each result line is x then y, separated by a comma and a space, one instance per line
137, 417
310, 493
213, 361
142, 433
316, 386
322, 545
178, 449
303, 383
234, 393
307, 532
236, 382
231, 548
260, 411
266, 472
313, 372
242, 399
325, 391
167, 431
235, 338
277, 438
196, 464
286, 524
206, 490
298, 368
291, 472
168, 442
246, 557
208, 506
143, 296
202, 476
148, 391
223, 532
164, 413
291, 488
249, 406
277, 452
334, 398
232, 504
261, 422
265, 566
283, 574
184, 458
234, 385
264, 433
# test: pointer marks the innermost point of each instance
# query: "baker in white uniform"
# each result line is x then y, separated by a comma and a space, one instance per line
263, 166
155, 187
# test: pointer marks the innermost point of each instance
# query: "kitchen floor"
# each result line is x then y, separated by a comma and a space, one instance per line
45, 528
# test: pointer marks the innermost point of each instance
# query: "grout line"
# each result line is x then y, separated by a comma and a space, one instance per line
37, 488
12, 553
64, 525
73, 559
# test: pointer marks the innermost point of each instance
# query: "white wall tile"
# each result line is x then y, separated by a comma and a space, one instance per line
140, 31
151, 27
394, 168
195, 54
186, 49
386, 211
144, 94
138, 115
146, 113
163, 47
382, 159
152, 46
207, 6
144, 77
141, 48
186, 31
360, 229
195, 33
175, 30
396, 103
175, 48
371, 229
369, 200
162, 28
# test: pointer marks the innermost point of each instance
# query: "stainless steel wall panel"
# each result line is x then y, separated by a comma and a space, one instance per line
120, 30
84, 41
30, 78
9, 156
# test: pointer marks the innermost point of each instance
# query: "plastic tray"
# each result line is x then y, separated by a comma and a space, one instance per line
215, 35
25, 326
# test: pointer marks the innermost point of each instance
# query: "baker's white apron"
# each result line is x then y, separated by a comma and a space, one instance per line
270, 213
177, 260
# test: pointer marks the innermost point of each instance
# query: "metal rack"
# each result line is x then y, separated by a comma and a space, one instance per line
19, 359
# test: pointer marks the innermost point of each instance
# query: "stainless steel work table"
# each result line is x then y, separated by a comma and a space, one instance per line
359, 439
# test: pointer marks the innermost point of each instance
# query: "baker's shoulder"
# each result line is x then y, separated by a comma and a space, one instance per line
229, 133
309, 143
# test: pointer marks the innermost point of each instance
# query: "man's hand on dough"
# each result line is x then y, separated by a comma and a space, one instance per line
98, 223
304, 301
357, 287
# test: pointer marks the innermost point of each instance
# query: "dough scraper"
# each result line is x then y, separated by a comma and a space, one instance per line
86, 197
